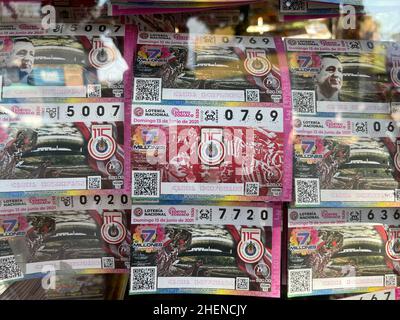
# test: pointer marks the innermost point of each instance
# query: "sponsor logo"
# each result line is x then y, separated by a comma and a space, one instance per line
114, 168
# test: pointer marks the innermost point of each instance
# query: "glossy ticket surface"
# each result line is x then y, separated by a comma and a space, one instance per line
342, 250
83, 234
209, 69
60, 147
332, 76
180, 152
224, 249
66, 61
346, 161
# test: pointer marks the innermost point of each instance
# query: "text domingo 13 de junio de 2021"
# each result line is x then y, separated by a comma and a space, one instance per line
200, 309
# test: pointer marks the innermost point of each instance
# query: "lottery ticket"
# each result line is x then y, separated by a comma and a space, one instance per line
347, 161
60, 147
67, 61
83, 234
180, 152
189, 69
332, 76
209, 118
342, 250
229, 248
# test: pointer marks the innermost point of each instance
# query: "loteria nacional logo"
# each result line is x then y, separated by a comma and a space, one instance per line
102, 145
393, 244
113, 230
101, 56
138, 212
250, 248
138, 111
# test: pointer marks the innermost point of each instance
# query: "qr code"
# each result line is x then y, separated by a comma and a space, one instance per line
93, 90
108, 262
9, 269
390, 280
307, 191
143, 279
94, 182
252, 189
242, 283
303, 101
146, 183
147, 90
293, 6
300, 281
252, 95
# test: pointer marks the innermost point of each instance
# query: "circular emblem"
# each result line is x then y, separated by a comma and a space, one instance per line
144, 35
257, 66
114, 168
271, 82
262, 270
393, 249
211, 152
124, 250
102, 147
138, 112
395, 75
138, 212
297, 123
113, 233
294, 215
102, 57
250, 250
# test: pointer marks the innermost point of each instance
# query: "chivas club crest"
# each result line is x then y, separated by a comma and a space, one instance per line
250, 248
257, 63
211, 147
113, 230
101, 56
393, 244
102, 145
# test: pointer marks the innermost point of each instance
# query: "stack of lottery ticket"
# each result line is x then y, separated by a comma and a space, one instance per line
210, 122
62, 110
210, 118
62, 135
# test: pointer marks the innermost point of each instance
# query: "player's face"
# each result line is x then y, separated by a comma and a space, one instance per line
331, 74
179, 167
22, 56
